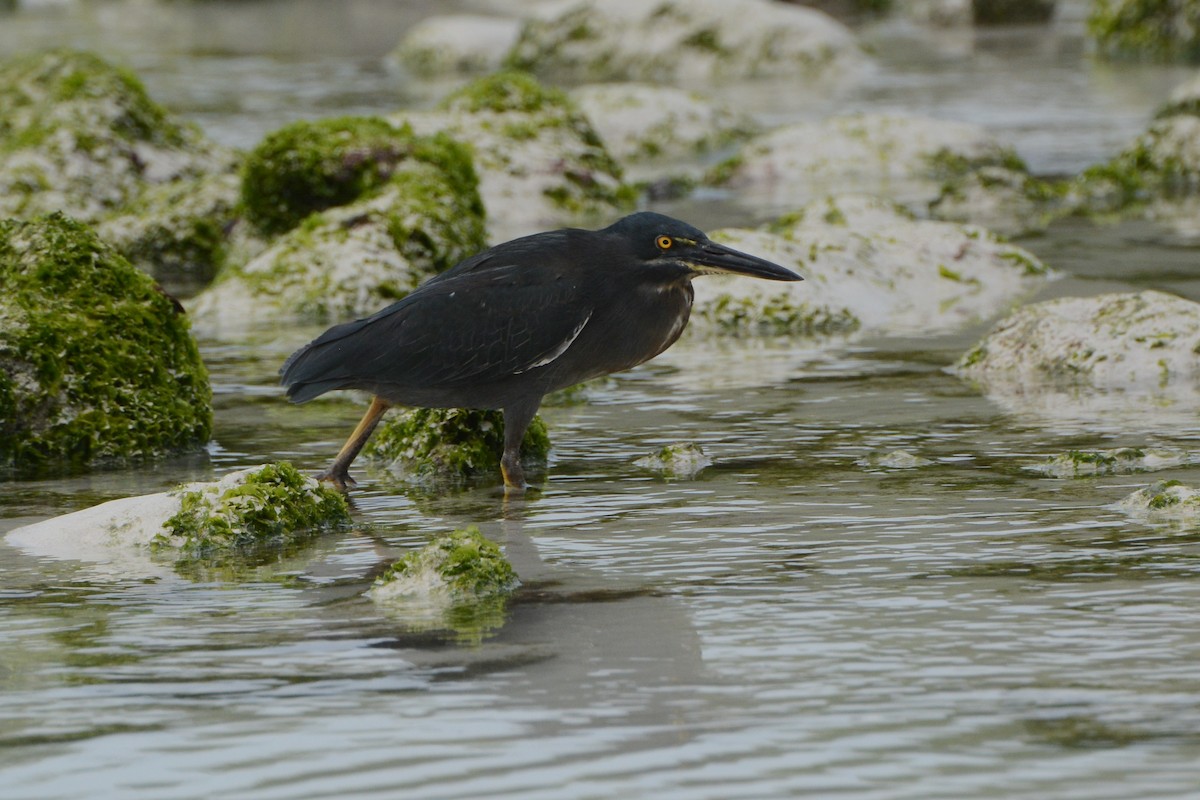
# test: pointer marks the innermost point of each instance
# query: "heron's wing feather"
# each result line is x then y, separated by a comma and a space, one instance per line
474, 326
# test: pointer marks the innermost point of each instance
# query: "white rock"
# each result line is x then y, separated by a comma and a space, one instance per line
456, 43
890, 156
897, 459
1163, 501
865, 261
1109, 341
536, 170
684, 41
1081, 463
642, 122
684, 460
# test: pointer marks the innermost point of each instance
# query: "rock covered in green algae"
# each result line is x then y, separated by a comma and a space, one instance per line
1165, 500
1109, 341
895, 459
81, 136
683, 460
540, 162
1153, 30
177, 228
911, 160
641, 122
1119, 461
439, 445
237, 520
422, 217
97, 365
1164, 160
683, 41
268, 505
459, 581
456, 43
868, 265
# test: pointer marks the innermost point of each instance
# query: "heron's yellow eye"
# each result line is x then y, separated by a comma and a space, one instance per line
664, 242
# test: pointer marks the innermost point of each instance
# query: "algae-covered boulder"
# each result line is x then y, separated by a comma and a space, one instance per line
1109, 341
244, 517
1154, 30
1119, 461
681, 461
81, 136
416, 213
911, 160
453, 43
459, 581
540, 162
646, 123
869, 266
97, 365
1163, 502
447, 445
177, 228
683, 41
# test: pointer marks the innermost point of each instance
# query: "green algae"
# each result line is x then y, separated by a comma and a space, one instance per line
470, 566
509, 90
273, 505
1146, 30
449, 444
309, 166
97, 364
777, 316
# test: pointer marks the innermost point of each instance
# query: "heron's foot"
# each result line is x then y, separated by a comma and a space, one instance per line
340, 478
514, 474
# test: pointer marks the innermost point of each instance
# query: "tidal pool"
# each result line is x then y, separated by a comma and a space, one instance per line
788, 623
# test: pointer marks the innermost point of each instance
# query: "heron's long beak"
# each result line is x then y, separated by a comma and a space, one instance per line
711, 258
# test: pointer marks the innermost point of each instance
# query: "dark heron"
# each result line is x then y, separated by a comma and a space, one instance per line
527, 317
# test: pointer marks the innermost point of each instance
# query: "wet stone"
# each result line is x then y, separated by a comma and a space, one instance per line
1119, 461
681, 461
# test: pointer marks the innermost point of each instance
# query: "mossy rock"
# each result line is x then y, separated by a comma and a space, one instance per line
1119, 461
355, 259
310, 166
269, 506
451, 444
678, 461
540, 162
97, 365
1148, 30
459, 581
178, 229
1164, 161
80, 135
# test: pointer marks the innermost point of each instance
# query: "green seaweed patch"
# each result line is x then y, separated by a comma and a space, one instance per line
309, 166
449, 444
1087, 733
459, 581
509, 90
98, 364
777, 316
1141, 567
271, 506
1146, 30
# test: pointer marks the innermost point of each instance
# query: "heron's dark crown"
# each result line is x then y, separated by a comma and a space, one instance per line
644, 226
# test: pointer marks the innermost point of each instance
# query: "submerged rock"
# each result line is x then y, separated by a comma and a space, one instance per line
953, 171
1124, 460
868, 265
459, 581
896, 459
1109, 341
682, 41
455, 43
540, 162
97, 366
1163, 161
682, 461
270, 506
1154, 31
646, 123
80, 136
419, 219
447, 445
1163, 501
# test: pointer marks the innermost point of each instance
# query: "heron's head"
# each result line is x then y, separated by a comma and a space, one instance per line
674, 250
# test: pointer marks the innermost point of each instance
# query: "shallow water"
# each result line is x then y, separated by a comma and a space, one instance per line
788, 623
